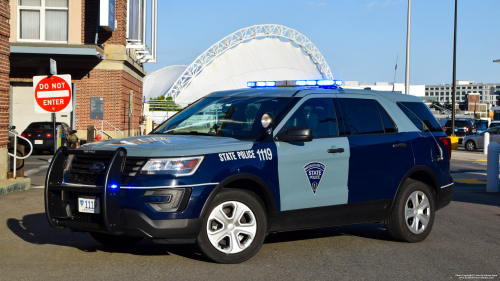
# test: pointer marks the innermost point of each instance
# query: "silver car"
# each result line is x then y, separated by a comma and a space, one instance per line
474, 142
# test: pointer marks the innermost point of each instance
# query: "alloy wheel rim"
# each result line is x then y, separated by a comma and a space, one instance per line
417, 212
470, 146
231, 227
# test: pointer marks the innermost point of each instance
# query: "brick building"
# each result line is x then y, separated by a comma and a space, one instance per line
4, 84
96, 57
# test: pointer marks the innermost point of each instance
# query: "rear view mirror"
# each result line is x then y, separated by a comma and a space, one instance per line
296, 134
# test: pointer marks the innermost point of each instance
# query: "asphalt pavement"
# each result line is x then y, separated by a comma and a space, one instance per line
465, 241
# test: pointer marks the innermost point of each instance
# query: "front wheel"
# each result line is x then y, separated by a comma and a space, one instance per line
115, 241
470, 145
234, 228
412, 217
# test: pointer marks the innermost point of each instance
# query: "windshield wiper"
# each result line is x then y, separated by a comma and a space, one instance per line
192, 133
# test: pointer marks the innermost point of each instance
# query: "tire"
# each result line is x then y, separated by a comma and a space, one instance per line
470, 145
234, 227
115, 241
412, 228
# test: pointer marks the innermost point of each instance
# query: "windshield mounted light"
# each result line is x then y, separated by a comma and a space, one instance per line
177, 167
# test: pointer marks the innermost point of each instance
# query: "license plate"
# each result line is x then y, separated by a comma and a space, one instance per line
38, 141
88, 204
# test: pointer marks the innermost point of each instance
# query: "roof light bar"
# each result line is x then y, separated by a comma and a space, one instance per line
296, 83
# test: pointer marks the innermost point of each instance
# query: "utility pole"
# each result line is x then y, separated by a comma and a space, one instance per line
408, 35
453, 93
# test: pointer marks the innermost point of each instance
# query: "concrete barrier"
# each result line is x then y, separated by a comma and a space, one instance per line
454, 143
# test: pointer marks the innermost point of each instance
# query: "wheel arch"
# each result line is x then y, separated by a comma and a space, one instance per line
248, 182
419, 173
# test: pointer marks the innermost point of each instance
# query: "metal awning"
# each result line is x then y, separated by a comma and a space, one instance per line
56, 49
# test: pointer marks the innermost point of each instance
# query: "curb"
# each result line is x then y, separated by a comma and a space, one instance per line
13, 185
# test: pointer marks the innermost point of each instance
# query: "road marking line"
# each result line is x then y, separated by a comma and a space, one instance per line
35, 170
39, 186
468, 181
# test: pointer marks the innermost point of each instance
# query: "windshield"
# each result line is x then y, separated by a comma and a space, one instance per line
235, 117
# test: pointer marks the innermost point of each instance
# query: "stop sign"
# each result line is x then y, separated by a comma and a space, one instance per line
52, 93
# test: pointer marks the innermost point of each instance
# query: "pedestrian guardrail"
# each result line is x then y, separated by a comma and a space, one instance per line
14, 170
102, 129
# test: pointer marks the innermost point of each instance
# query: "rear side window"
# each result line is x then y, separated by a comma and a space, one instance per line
418, 112
457, 123
365, 117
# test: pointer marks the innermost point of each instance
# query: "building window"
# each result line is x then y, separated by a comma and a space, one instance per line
442, 98
457, 98
432, 88
442, 93
463, 88
447, 93
442, 88
480, 92
480, 87
43, 20
447, 88
473, 91
426, 94
447, 98
432, 93
474, 87
468, 87
426, 89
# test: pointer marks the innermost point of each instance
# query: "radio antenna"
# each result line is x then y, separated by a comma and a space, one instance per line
395, 68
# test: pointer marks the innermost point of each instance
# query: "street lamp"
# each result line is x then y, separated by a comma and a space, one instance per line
454, 74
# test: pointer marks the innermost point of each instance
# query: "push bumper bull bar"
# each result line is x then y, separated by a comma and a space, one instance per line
57, 205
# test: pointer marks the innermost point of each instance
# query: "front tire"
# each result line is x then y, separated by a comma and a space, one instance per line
470, 146
115, 241
412, 217
234, 227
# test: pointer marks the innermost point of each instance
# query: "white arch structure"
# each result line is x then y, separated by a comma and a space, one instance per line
243, 35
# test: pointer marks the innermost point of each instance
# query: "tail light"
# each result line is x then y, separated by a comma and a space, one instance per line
23, 135
29, 135
447, 143
444, 128
49, 135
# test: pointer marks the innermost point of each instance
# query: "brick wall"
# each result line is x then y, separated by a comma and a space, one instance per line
4, 71
89, 24
114, 86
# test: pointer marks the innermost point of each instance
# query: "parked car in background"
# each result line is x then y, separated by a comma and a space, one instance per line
474, 142
40, 135
463, 127
494, 124
481, 126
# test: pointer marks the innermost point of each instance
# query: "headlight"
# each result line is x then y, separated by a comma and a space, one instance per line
179, 167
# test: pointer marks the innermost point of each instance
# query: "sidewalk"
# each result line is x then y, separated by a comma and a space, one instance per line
470, 178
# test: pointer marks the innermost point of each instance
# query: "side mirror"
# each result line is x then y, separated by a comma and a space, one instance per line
12, 127
296, 134
73, 132
482, 134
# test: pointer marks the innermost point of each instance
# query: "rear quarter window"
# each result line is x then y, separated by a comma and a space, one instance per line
419, 114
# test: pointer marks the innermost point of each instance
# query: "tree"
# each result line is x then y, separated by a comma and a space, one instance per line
163, 104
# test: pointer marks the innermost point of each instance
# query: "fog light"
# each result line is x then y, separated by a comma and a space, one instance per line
167, 200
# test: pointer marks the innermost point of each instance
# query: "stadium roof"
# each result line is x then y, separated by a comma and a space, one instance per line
260, 52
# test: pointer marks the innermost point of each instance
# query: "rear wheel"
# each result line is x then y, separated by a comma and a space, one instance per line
412, 217
115, 241
234, 228
470, 145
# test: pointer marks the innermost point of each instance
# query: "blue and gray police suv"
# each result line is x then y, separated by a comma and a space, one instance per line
277, 156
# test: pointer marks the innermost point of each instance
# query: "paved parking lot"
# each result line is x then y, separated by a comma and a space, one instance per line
465, 240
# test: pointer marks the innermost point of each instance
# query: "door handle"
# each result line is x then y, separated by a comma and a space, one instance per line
399, 145
335, 150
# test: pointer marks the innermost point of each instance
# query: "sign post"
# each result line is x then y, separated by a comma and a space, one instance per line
53, 94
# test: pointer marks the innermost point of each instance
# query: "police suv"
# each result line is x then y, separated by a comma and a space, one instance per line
278, 156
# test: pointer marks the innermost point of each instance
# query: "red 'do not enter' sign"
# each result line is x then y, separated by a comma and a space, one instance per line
52, 93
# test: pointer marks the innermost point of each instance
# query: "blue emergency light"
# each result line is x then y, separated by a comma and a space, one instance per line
294, 83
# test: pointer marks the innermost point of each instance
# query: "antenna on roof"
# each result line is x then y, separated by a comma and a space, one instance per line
395, 68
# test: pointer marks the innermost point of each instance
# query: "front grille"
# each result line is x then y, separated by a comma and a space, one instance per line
80, 173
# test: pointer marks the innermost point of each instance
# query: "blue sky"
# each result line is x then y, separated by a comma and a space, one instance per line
361, 37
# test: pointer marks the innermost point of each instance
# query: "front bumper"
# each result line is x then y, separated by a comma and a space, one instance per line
61, 204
